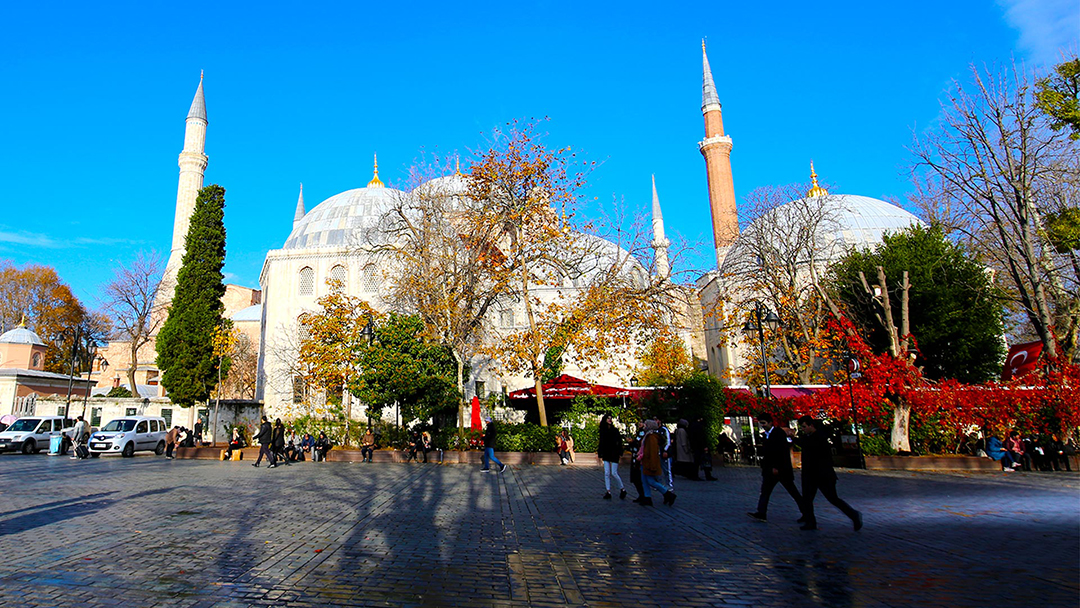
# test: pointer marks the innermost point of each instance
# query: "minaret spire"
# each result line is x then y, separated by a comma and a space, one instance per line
193, 161
660, 243
300, 211
716, 148
815, 189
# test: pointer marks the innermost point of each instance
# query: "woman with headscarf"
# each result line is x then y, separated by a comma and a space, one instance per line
651, 468
609, 451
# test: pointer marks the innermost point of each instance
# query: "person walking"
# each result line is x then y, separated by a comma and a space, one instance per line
367, 446
609, 451
818, 474
775, 467
635, 464
171, 439
277, 444
265, 438
79, 436
666, 453
651, 465
490, 434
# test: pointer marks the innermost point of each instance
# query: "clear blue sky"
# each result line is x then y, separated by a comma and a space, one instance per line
95, 96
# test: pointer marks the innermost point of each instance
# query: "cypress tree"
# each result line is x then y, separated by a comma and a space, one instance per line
185, 349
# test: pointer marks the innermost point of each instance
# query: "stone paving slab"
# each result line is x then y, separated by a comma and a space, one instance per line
205, 534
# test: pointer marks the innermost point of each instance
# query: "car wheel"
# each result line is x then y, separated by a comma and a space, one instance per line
128, 451
28, 447
94, 454
160, 449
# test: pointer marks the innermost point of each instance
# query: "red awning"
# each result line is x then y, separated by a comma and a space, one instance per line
568, 387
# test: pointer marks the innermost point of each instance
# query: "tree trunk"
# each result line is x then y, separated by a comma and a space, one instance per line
899, 440
461, 393
539, 383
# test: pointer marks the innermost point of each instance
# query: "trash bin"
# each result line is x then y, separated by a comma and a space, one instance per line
56, 443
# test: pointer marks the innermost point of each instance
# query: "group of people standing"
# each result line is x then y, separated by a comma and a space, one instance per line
277, 443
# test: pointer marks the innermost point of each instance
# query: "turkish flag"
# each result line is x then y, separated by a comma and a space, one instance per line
1022, 359
476, 425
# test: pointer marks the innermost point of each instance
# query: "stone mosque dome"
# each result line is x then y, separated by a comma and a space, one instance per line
853, 222
21, 335
343, 218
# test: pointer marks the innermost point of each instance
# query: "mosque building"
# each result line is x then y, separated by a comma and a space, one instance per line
321, 245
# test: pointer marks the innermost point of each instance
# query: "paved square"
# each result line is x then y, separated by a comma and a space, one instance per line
150, 532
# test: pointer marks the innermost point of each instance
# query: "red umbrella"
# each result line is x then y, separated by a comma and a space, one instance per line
476, 425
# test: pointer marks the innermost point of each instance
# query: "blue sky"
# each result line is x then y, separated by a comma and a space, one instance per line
95, 96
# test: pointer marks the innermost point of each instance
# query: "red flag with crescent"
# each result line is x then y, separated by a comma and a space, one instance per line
1022, 359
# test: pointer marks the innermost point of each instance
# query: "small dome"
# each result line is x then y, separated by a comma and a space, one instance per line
342, 219
21, 335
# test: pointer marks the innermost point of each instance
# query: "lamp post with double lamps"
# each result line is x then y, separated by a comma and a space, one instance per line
761, 318
368, 332
852, 365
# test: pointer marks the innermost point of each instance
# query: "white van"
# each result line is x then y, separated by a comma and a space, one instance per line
128, 435
31, 434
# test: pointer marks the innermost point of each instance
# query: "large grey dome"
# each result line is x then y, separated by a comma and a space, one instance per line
342, 219
20, 335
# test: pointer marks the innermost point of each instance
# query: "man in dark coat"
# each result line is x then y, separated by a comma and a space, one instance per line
265, 438
818, 474
277, 443
490, 436
775, 467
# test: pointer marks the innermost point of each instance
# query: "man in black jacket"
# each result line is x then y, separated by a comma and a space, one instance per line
490, 434
775, 467
265, 437
818, 473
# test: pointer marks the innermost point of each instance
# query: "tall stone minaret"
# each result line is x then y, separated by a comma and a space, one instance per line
300, 210
716, 148
659, 243
192, 165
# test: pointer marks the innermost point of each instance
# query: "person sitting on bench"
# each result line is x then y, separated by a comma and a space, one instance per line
321, 447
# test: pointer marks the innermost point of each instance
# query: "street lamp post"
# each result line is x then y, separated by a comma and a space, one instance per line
762, 316
369, 333
71, 375
852, 365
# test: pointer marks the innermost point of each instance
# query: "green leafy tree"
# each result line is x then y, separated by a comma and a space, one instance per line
403, 366
185, 345
955, 312
1058, 96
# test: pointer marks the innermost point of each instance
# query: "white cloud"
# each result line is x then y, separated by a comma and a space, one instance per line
1048, 28
44, 241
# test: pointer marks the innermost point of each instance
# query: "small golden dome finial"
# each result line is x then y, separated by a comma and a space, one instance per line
457, 165
200, 75
815, 190
22, 323
375, 182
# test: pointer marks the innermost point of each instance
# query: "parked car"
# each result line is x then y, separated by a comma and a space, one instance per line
31, 434
128, 435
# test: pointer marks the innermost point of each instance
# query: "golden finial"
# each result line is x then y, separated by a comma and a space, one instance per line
457, 165
200, 75
22, 323
703, 44
375, 183
815, 190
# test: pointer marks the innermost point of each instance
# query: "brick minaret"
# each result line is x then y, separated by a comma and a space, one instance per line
192, 165
716, 148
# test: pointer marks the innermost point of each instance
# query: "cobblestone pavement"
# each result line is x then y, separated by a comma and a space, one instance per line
147, 532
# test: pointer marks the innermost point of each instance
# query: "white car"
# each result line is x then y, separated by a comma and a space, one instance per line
31, 434
128, 435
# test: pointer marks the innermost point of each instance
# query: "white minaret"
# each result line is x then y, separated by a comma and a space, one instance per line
300, 210
660, 243
192, 166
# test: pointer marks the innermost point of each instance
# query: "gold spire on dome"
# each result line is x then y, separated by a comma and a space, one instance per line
22, 323
375, 182
816, 190
457, 165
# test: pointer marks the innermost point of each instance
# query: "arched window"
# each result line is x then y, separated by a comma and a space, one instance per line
303, 332
371, 280
307, 281
337, 275
506, 317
